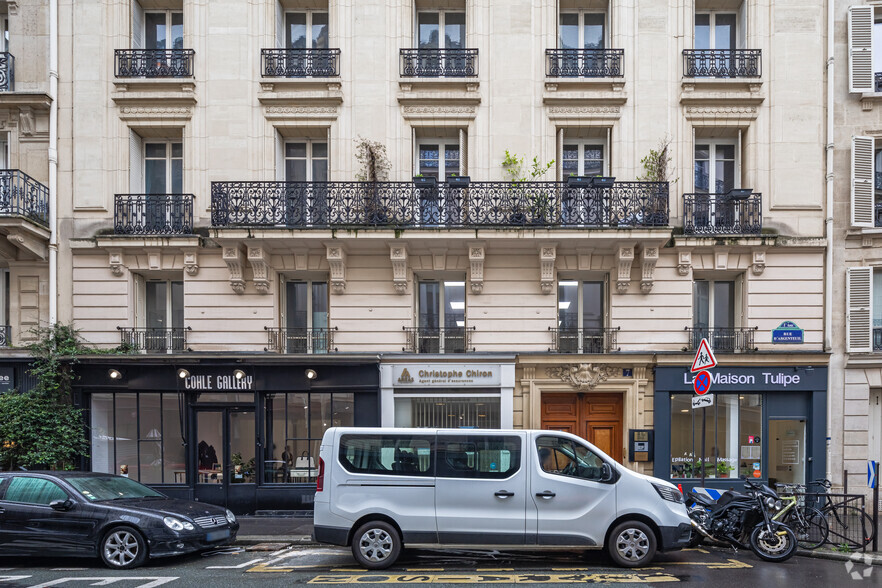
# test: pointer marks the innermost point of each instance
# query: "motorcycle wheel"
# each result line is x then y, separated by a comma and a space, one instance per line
772, 546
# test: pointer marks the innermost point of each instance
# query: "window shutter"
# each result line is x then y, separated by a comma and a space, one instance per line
860, 48
862, 181
137, 25
738, 302
136, 164
559, 149
858, 295
280, 158
280, 26
140, 292
463, 153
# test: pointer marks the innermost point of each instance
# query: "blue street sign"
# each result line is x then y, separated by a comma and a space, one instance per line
872, 473
788, 332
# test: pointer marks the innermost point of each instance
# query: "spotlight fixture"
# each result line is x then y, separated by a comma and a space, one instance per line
114, 374
311, 374
239, 374
182, 373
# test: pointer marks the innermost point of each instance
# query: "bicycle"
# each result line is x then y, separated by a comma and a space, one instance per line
848, 525
807, 522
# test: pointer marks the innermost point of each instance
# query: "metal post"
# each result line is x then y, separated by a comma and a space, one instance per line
703, 426
876, 509
845, 481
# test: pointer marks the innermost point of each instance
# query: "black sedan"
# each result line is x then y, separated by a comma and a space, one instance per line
112, 517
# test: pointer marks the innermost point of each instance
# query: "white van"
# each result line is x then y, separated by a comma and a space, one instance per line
379, 490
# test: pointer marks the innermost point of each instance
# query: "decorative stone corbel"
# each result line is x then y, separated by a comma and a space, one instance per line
191, 262
625, 257
547, 255
650, 258
337, 262
154, 259
115, 257
26, 121
28, 244
759, 263
398, 255
476, 266
684, 262
258, 259
235, 260
721, 259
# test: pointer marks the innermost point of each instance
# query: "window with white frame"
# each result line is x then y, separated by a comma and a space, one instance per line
4, 151
306, 30
584, 157
581, 312
306, 316
157, 29
441, 316
441, 29
438, 158
159, 314
863, 309
716, 30
716, 165
163, 167
306, 160
716, 312
582, 30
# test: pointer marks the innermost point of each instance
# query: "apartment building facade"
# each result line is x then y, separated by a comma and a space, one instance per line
269, 280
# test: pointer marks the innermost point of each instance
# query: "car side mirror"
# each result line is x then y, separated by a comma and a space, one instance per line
61, 505
606, 473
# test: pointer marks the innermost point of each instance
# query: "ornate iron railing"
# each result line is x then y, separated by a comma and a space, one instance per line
22, 195
720, 214
877, 81
300, 340
438, 339
154, 339
154, 63
7, 72
575, 340
878, 210
153, 214
403, 204
722, 63
584, 63
300, 63
726, 339
5, 335
877, 338
439, 63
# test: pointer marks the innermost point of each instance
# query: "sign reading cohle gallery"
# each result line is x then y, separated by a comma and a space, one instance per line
445, 375
218, 382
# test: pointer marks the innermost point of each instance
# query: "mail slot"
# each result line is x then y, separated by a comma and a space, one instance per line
641, 444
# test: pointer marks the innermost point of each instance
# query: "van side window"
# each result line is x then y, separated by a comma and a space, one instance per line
478, 456
566, 458
395, 455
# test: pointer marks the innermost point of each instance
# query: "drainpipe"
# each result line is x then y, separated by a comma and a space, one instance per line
828, 224
53, 162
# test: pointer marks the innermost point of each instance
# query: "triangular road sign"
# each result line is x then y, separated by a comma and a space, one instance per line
704, 358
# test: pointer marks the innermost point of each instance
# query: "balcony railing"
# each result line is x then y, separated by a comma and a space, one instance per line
877, 338
403, 204
300, 63
5, 335
725, 339
584, 63
22, 195
439, 63
722, 63
154, 63
877, 81
7, 72
153, 214
575, 340
438, 339
154, 339
721, 214
300, 340
878, 212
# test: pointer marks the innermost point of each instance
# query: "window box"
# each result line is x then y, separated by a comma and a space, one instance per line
579, 181
740, 193
603, 181
425, 181
458, 181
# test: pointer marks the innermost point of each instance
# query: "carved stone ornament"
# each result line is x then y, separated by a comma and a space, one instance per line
759, 263
476, 267
26, 121
650, 258
191, 263
582, 376
258, 259
684, 263
116, 262
625, 257
337, 263
547, 255
235, 260
398, 255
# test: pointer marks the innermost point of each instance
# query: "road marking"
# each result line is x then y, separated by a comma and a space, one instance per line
68, 569
13, 578
528, 578
238, 567
729, 564
481, 570
152, 582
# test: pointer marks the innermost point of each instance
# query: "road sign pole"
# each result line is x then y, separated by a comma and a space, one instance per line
703, 425
876, 508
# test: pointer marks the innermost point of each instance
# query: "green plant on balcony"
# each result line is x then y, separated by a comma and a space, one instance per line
539, 204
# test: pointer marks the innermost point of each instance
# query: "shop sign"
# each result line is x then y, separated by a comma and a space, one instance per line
217, 382
740, 379
7, 379
788, 332
446, 375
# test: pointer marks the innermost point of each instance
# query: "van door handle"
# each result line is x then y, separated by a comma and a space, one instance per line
504, 494
547, 494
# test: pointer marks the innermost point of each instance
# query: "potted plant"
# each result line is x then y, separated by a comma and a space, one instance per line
538, 202
457, 181
374, 168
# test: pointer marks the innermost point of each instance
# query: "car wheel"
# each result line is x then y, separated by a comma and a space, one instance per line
376, 545
123, 548
632, 544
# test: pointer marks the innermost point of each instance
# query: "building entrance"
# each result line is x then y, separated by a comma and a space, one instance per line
594, 417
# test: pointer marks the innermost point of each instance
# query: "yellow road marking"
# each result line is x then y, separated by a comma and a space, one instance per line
424, 569
479, 570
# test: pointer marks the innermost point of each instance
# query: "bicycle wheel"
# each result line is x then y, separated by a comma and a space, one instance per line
847, 526
811, 528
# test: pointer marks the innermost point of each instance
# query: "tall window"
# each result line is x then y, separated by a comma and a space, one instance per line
438, 158
584, 158
582, 30
163, 167
580, 316
306, 30
715, 313
306, 317
441, 316
306, 161
164, 30
441, 30
715, 167
877, 310
163, 315
715, 30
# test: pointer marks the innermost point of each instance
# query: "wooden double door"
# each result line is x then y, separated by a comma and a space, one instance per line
595, 417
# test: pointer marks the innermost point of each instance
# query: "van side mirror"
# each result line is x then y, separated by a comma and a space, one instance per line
61, 505
606, 473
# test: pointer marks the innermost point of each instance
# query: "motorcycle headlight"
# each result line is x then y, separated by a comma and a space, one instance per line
231, 518
668, 493
177, 525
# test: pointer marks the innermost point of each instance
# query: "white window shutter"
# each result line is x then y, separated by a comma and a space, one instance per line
137, 25
862, 176
136, 164
280, 26
140, 292
463, 152
860, 49
858, 301
280, 158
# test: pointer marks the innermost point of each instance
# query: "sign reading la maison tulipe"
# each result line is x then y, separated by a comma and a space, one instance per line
788, 332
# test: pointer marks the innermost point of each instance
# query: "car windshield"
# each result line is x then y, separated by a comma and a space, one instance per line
100, 488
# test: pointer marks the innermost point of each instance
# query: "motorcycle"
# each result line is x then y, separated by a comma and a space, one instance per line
743, 520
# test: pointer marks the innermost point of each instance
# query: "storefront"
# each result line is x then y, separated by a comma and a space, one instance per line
474, 395
767, 423
241, 433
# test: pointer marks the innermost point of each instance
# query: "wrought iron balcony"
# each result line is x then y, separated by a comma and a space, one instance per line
154, 339
300, 63
878, 210
722, 63
154, 63
7, 72
403, 204
725, 339
439, 63
575, 340
877, 81
584, 63
721, 214
5, 335
153, 214
438, 339
877, 338
300, 340
22, 195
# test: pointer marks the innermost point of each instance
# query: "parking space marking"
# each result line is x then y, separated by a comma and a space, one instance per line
238, 567
150, 582
597, 578
13, 578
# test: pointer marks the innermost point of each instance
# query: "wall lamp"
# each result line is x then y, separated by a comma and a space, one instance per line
114, 374
239, 374
182, 373
311, 374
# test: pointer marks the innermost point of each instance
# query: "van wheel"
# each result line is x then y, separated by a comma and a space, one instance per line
632, 544
376, 545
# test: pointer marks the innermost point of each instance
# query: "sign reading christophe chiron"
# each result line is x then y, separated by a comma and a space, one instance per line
441, 375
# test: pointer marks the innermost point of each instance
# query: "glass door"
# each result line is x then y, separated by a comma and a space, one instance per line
225, 458
786, 451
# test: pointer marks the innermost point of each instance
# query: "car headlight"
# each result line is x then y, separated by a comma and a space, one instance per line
668, 493
177, 525
231, 518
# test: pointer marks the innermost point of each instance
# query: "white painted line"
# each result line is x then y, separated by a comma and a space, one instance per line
13, 578
69, 569
238, 567
151, 582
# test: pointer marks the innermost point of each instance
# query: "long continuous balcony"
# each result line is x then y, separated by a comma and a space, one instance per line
7, 72
584, 63
154, 339
300, 340
725, 339
439, 63
403, 204
575, 340
438, 339
300, 63
21, 195
5, 335
153, 214
154, 63
722, 63
722, 214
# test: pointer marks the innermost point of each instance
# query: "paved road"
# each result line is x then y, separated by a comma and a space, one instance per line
330, 566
